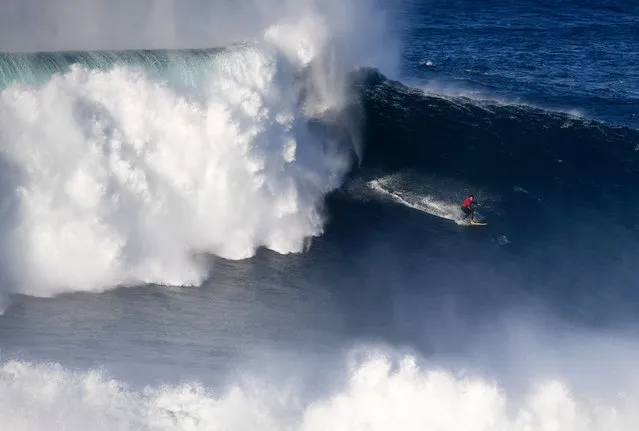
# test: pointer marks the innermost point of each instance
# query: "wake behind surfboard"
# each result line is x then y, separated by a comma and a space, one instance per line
428, 204
425, 204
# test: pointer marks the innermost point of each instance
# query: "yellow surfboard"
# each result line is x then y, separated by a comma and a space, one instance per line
477, 223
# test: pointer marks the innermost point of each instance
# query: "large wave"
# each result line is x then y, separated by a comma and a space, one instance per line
128, 166
125, 167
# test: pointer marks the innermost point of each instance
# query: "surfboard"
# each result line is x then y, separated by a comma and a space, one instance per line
477, 223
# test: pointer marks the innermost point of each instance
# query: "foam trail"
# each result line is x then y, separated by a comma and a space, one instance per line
427, 204
379, 394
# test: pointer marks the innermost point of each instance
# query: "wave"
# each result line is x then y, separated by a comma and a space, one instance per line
378, 394
115, 176
131, 167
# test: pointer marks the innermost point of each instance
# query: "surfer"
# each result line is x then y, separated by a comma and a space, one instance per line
467, 207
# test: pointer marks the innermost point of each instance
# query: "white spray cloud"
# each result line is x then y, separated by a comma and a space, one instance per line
379, 394
45, 25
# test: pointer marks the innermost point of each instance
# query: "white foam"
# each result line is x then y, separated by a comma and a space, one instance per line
379, 394
122, 178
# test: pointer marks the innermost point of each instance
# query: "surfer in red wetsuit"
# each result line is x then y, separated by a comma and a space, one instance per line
467, 207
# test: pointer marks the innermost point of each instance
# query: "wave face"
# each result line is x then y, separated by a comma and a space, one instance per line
455, 134
530, 162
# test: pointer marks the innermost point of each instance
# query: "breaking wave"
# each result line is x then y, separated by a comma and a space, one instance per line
130, 167
378, 394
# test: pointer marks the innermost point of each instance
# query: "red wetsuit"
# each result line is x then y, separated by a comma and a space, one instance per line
467, 202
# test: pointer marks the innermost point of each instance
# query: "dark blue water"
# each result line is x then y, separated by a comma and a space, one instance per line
560, 187
574, 56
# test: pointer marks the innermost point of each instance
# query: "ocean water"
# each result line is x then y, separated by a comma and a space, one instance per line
255, 224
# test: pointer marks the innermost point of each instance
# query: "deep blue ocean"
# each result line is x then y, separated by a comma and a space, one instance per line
267, 234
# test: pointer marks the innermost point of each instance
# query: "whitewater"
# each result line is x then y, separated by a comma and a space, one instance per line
378, 395
127, 177
127, 168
